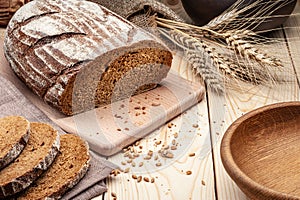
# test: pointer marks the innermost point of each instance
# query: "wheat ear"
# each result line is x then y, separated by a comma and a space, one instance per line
236, 41
202, 68
199, 57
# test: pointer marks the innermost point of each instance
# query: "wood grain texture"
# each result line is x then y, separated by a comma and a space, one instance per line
260, 152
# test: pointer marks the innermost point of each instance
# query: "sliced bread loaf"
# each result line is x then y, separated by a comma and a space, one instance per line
14, 134
78, 55
68, 168
38, 154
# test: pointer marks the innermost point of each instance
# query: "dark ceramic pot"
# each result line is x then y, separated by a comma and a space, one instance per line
202, 11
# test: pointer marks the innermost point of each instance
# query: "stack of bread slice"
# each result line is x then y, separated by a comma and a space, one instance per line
38, 163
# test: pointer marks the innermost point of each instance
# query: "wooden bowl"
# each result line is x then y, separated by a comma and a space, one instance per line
261, 152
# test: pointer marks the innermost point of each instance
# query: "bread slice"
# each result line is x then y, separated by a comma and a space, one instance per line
69, 167
38, 154
14, 134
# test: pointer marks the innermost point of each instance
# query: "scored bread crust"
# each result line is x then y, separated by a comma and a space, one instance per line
70, 183
20, 183
48, 43
16, 148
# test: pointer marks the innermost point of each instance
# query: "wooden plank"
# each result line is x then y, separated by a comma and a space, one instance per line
171, 180
224, 110
292, 32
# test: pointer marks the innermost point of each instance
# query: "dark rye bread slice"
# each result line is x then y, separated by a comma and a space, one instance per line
37, 156
68, 168
14, 134
78, 55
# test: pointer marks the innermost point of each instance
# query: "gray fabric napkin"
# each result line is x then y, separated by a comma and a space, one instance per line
12, 102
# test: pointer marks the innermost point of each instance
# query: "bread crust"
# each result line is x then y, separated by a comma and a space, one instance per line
16, 148
48, 43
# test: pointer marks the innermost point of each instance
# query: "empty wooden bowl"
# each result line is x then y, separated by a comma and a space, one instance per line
261, 152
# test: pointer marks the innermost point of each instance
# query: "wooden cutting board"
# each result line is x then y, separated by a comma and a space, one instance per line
110, 128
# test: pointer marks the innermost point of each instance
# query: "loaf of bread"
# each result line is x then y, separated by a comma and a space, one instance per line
14, 134
37, 156
77, 55
69, 166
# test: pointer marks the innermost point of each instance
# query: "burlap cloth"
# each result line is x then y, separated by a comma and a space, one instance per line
25, 103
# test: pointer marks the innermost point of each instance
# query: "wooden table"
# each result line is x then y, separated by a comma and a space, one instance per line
208, 179
196, 171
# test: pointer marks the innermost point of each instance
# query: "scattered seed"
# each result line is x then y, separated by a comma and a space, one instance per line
203, 182
146, 179
170, 155
158, 164
150, 153
173, 147
126, 129
119, 129
173, 142
129, 161
136, 155
137, 107
176, 135
158, 142
170, 125
137, 143
152, 180
188, 172
123, 163
155, 104
147, 157
115, 198
156, 157
166, 147
141, 164
195, 125
126, 170
113, 194
192, 154
134, 176
139, 179
133, 164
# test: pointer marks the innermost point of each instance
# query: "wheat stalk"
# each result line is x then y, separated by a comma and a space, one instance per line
227, 45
